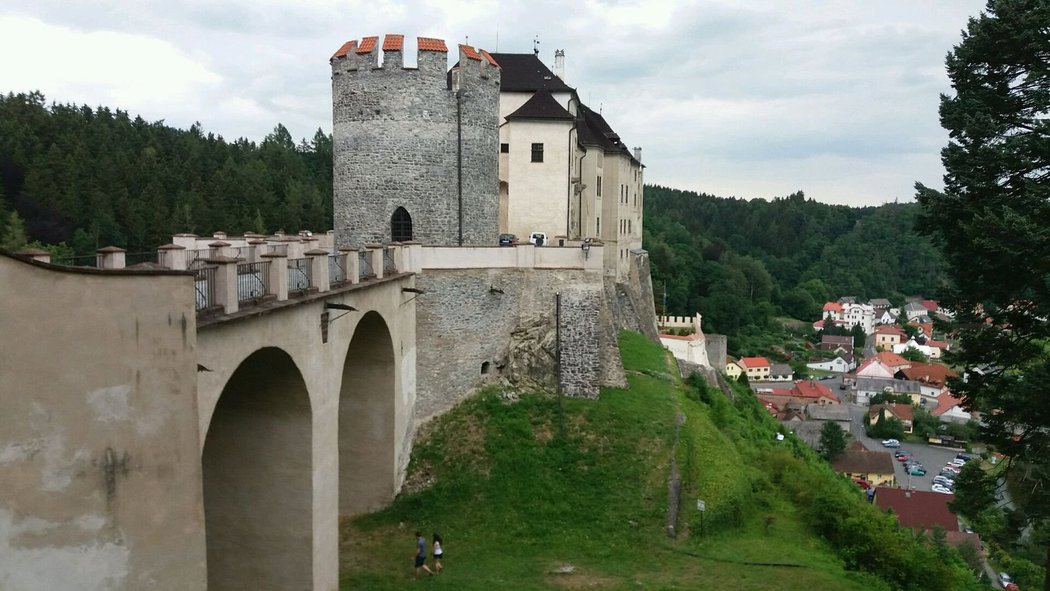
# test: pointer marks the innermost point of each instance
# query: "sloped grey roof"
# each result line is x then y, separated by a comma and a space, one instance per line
541, 105
524, 72
897, 386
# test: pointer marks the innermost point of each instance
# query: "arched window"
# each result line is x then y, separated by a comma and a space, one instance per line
400, 225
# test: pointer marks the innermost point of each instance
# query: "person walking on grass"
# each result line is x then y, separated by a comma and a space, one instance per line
438, 554
421, 555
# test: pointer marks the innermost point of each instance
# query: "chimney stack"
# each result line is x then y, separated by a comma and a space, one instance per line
638, 153
559, 64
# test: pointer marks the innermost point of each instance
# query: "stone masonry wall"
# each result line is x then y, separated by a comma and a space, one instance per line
395, 145
580, 357
465, 326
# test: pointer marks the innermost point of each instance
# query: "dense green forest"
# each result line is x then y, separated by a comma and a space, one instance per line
95, 177
745, 263
90, 177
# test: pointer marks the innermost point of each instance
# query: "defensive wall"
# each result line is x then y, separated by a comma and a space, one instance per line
404, 138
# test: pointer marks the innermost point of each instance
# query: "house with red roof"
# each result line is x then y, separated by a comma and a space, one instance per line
904, 413
887, 335
893, 361
870, 368
949, 408
932, 377
803, 393
925, 327
755, 368
918, 509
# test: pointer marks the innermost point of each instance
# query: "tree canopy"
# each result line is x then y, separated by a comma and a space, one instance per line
992, 221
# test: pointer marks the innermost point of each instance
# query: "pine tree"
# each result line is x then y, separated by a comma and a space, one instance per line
993, 223
832, 440
14, 236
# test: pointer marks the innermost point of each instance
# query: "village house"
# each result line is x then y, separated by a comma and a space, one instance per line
949, 409
781, 372
902, 412
866, 388
888, 336
923, 511
838, 365
892, 360
870, 368
932, 377
733, 369
755, 368
876, 468
804, 392
836, 343
913, 310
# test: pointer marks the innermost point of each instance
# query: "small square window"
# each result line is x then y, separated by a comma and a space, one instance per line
504, 148
537, 152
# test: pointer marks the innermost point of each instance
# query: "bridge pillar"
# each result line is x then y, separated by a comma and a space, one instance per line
225, 282
319, 268
278, 275
351, 263
375, 252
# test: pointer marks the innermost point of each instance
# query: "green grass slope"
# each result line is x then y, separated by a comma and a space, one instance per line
522, 489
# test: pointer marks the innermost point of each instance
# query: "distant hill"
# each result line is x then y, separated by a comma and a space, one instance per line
742, 263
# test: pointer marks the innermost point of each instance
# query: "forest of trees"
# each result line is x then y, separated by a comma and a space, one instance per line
743, 264
95, 177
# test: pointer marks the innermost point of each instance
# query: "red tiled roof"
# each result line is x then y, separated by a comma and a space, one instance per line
754, 362
832, 307
889, 329
470, 52
892, 359
917, 508
368, 44
938, 344
430, 44
489, 57
344, 49
904, 412
929, 373
811, 389
945, 402
394, 42
930, 305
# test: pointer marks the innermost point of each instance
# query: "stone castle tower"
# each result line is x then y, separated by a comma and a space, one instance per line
415, 149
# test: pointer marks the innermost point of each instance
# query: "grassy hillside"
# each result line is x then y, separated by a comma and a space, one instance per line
519, 490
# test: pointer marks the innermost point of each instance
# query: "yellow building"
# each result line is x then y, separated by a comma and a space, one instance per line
733, 370
874, 467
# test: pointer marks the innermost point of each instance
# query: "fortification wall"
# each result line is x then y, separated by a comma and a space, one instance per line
99, 455
396, 143
477, 325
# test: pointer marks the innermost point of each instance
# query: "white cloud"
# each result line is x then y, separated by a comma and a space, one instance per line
733, 97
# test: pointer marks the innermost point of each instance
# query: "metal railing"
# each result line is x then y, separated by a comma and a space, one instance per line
135, 258
389, 268
196, 258
90, 260
299, 275
253, 279
204, 287
336, 269
365, 258
280, 249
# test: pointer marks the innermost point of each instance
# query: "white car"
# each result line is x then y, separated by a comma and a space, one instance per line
1004, 580
951, 468
890, 443
957, 462
941, 489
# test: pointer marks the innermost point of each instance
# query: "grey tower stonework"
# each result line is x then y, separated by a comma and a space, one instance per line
404, 138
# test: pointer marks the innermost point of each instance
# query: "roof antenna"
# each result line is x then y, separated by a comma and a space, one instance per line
466, 40
536, 46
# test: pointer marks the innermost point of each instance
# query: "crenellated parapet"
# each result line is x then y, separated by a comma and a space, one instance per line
420, 144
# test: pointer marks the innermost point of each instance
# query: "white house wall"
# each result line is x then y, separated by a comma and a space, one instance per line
538, 191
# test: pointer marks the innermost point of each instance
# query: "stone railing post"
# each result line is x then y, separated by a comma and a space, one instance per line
36, 254
110, 257
278, 275
172, 256
220, 248
375, 252
319, 269
225, 282
414, 257
352, 264
255, 246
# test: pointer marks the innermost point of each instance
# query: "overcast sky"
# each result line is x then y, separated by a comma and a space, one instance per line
746, 98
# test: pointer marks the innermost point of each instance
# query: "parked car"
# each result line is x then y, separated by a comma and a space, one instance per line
890, 443
947, 474
957, 462
951, 468
538, 238
941, 489
917, 470
943, 482
904, 457
965, 457
1004, 579
508, 240
900, 452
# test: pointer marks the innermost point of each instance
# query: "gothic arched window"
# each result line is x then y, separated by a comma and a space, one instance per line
400, 226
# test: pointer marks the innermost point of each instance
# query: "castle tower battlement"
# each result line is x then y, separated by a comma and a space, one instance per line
415, 149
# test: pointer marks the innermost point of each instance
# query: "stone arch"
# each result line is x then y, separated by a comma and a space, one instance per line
367, 398
400, 225
258, 478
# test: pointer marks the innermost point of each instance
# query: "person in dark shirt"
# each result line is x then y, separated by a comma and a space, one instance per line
421, 555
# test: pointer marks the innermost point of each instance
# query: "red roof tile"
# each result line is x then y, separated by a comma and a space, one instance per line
368, 44
930, 305
429, 44
394, 43
929, 373
754, 362
832, 307
904, 412
344, 49
917, 508
489, 57
811, 389
945, 402
470, 52
892, 359
889, 329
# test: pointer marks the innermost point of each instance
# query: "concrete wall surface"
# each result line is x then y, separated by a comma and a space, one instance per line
99, 455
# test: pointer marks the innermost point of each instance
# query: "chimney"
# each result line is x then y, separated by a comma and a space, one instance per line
638, 153
559, 64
